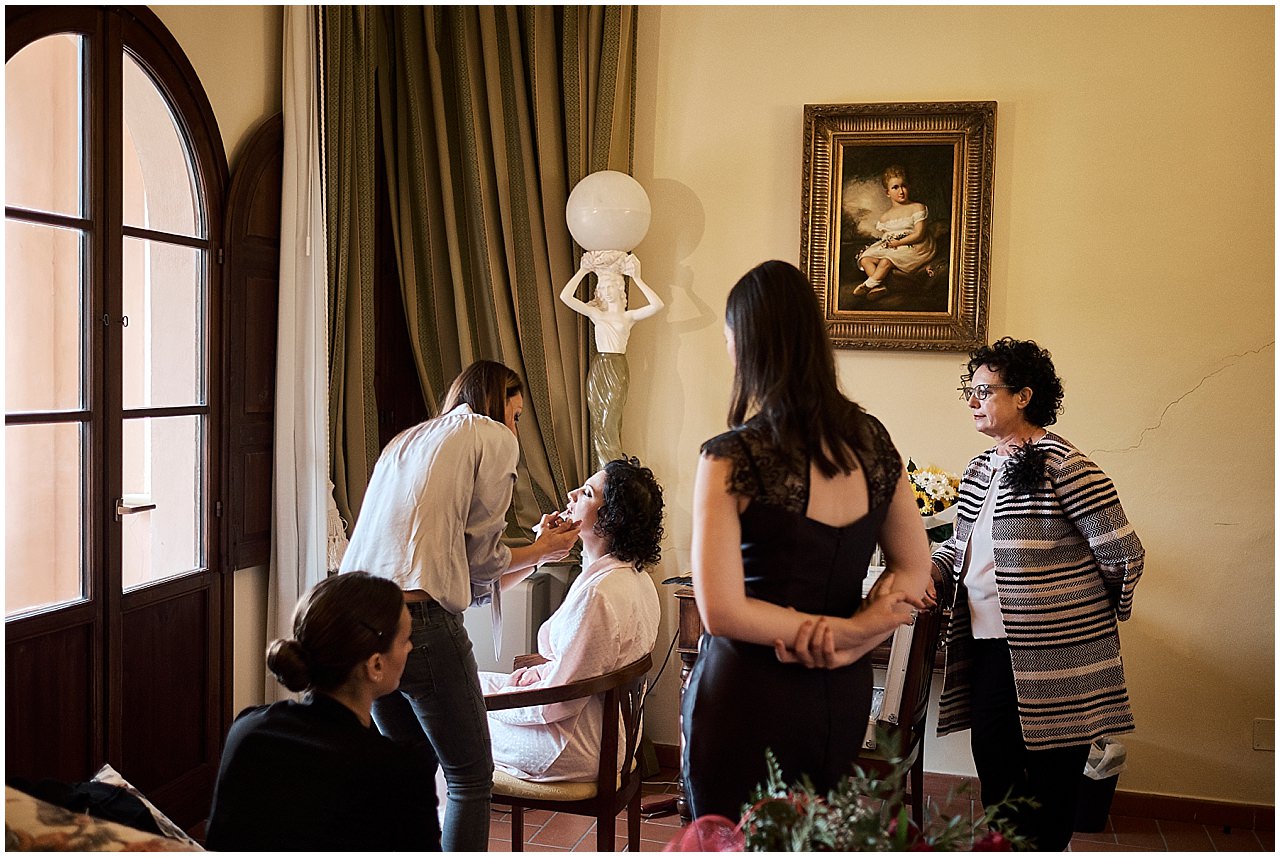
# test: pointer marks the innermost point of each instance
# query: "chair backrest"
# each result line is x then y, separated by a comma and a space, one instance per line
622, 693
626, 698
919, 678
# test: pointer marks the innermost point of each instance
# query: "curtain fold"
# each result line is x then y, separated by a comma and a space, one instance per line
299, 542
347, 74
488, 117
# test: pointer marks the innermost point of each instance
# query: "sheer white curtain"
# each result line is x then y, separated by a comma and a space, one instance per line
303, 493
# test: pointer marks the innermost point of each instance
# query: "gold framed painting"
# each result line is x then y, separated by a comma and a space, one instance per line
895, 231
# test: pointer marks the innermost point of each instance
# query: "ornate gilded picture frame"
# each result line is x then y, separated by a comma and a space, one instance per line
895, 231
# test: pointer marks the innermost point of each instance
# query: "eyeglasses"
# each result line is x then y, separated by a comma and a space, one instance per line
371, 629
982, 391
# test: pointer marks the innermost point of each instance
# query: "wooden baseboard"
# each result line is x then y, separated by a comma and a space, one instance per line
1215, 813
668, 755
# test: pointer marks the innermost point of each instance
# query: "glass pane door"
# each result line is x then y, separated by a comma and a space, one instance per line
43, 127
164, 355
159, 184
44, 516
45, 290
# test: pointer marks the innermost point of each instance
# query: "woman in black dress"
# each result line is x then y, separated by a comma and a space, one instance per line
788, 507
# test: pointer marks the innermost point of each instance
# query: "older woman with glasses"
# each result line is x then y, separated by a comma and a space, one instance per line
1042, 566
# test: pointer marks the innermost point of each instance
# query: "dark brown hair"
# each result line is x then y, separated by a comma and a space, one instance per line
630, 515
484, 385
785, 368
341, 622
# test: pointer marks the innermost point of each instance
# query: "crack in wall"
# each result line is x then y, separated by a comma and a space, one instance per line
1235, 360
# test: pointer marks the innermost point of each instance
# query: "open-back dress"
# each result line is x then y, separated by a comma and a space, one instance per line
741, 699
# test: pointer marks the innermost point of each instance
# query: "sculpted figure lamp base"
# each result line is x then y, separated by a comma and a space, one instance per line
608, 214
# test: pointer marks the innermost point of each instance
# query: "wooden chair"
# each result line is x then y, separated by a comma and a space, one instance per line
622, 692
905, 739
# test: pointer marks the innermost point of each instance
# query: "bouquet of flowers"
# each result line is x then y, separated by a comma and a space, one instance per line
937, 493
863, 813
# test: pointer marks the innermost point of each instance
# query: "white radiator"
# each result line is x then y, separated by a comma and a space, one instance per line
524, 609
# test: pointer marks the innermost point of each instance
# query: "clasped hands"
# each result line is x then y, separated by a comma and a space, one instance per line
830, 642
523, 673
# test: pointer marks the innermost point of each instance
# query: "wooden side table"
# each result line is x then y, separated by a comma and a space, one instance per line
690, 631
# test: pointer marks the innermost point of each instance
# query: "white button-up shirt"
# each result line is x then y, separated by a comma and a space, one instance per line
436, 507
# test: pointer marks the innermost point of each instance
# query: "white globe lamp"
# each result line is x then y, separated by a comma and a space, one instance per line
608, 210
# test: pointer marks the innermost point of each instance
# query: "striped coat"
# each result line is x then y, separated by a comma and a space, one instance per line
1067, 561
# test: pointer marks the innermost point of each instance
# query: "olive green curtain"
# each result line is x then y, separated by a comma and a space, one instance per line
488, 117
348, 62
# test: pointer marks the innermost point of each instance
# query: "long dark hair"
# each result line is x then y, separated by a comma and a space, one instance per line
630, 515
484, 385
785, 368
341, 622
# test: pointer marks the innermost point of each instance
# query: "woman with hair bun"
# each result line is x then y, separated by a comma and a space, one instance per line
316, 774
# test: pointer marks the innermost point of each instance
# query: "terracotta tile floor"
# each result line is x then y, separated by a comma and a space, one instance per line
546, 831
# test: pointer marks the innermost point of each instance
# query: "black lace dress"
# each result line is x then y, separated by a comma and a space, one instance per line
740, 699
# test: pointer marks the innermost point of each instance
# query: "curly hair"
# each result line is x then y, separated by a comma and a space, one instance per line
895, 171
1022, 363
630, 516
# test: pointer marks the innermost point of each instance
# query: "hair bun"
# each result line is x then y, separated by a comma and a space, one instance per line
288, 662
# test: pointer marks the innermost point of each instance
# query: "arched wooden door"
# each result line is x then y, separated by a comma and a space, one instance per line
116, 597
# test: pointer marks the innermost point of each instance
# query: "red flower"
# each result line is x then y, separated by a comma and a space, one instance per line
993, 841
708, 833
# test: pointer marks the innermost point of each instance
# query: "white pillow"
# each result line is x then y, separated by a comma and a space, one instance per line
109, 775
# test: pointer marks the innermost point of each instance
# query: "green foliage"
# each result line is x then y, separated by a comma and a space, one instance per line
863, 813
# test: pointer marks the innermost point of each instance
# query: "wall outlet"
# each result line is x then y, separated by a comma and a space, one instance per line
1264, 734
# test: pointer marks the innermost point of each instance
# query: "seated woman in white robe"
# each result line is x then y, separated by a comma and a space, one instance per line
609, 619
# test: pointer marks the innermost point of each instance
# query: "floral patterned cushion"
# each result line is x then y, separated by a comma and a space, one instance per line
31, 824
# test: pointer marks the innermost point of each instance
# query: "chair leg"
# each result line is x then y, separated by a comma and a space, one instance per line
605, 831
517, 828
917, 790
633, 823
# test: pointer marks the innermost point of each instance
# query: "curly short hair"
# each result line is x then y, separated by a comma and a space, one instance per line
896, 171
1022, 363
630, 517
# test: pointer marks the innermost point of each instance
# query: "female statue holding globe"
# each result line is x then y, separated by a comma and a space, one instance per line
608, 214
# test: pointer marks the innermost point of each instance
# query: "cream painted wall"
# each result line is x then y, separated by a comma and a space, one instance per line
237, 53
1133, 236
1126, 136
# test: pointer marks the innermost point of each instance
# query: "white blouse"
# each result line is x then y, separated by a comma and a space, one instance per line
436, 507
980, 566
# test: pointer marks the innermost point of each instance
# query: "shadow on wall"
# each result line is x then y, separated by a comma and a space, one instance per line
679, 222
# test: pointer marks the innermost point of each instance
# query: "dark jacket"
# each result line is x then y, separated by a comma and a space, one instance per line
309, 776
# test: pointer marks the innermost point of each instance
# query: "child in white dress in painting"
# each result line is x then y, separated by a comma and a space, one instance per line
609, 619
906, 243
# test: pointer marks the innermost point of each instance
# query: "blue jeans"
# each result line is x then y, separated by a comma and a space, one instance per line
439, 711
